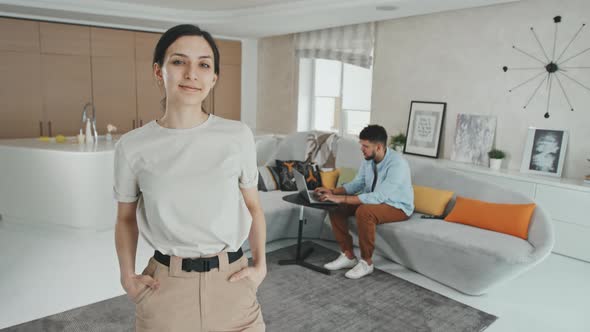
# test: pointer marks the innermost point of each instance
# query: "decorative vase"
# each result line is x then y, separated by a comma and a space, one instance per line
495, 164
398, 148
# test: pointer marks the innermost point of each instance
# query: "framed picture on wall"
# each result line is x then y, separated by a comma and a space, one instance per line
425, 128
544, 152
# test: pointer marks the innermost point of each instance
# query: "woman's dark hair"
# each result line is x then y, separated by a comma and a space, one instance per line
374, 134
172, 34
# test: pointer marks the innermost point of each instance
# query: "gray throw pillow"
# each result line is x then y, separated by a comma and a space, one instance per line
268, 179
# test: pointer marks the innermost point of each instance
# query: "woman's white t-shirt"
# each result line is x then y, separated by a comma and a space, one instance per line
187, 183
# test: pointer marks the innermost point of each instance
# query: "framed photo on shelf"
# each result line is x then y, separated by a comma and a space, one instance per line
425, 128
474, 137
544, 152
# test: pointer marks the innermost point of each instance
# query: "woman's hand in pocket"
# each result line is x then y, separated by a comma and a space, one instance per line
135, 284
254, 273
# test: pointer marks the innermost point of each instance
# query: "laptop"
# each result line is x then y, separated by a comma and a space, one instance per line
309, 195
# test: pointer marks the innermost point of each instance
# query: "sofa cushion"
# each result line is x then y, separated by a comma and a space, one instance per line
267, 147
287, 178
329, 178
311, 172
512, 219
320, 148
291, 147
346, 175
431, 201
268, 179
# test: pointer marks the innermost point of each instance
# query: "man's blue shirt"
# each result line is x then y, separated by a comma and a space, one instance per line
394, 183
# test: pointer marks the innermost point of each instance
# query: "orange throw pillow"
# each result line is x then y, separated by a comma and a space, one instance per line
511, 219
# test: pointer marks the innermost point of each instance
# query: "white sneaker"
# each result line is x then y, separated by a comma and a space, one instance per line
360, 270
341, 262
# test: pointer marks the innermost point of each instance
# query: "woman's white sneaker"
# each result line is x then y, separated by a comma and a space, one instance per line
342, 262
360, 270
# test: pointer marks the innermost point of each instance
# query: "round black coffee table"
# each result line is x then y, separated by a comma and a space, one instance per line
298, 199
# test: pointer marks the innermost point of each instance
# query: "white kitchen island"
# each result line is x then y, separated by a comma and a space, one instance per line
48, 184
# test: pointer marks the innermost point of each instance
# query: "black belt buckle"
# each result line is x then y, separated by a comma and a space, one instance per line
197, 265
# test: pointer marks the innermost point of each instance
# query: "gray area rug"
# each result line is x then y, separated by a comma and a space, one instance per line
296, 299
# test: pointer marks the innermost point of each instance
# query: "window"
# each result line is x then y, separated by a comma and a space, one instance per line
333, 96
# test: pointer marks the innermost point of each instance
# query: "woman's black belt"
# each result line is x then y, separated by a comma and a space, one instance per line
199, 264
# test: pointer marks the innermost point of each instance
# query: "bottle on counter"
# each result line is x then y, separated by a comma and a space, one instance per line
80, 137
89, 138
110, 128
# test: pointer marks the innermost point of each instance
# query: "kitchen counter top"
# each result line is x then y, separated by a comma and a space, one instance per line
70, 145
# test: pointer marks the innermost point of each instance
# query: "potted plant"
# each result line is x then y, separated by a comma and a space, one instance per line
398, 142
496, 157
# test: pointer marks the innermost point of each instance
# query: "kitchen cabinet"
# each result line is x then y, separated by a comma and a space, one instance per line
114, 92
49, 71
149, 95
65, 39
66, 88
19, 35
226, 96
21, 112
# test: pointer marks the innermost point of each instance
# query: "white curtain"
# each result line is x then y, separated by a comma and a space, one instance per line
351, 44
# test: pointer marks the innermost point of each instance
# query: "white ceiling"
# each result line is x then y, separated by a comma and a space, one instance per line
207, 4
228, 18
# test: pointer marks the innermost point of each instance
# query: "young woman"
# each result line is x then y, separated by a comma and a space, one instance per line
188, 183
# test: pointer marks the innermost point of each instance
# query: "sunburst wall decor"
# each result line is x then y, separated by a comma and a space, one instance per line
553, 67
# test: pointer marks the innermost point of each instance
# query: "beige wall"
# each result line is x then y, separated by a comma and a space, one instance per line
277, 85
456, 57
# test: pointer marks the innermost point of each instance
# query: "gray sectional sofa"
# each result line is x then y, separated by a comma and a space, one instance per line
468, 259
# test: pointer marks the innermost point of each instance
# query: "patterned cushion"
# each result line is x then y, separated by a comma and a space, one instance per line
311, 171
320, 149
286, 177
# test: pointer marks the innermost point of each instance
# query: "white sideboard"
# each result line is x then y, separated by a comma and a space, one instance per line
567, 201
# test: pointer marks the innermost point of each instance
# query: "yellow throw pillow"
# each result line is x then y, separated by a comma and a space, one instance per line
431, 201
329, 178
511, 219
